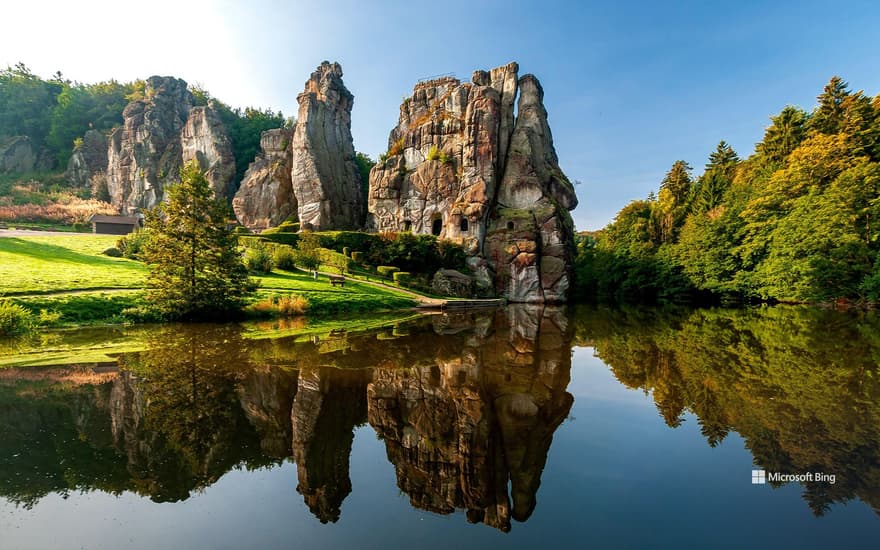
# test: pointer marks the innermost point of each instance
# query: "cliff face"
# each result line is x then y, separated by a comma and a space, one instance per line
160, 133
17, 155
310, 172
266, 197
88, 159
461, 166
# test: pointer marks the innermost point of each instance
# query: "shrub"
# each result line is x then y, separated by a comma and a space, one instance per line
133, 245
387, 271
346, 251
241, 230
357, 257
396, 148
402, 277
433, 153
288, 306
113, 252
15, 319
288, 227
284, 257
257, 258
334, 259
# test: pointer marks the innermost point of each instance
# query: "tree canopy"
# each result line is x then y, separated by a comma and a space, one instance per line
798, 220
196, 269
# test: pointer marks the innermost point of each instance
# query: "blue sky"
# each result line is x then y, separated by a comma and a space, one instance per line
629, 86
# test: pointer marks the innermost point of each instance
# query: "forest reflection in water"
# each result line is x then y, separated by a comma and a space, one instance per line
466, 405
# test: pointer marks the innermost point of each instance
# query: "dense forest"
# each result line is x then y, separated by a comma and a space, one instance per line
797, 221
55, 113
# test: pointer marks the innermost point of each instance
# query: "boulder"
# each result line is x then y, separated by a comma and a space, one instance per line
449, 282
88, 159
17, 155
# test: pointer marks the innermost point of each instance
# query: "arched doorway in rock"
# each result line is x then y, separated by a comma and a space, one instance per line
436, 227
407, 225
463, 224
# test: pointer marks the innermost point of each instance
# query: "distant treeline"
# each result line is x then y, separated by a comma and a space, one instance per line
54, 113
798, 220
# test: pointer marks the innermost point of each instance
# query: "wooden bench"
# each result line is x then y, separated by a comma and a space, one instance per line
337, 280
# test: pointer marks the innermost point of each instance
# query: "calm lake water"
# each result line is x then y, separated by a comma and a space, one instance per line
519, 428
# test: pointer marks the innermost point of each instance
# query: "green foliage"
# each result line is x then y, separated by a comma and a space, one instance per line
196, 270
364, 164
346, 251
15, 319
258, 259
113, 252
357, 257
387, 270
132, 245
395, 149
797, 221
284, 257
308, 255
433, 153
402, 277
338, 262
288, 227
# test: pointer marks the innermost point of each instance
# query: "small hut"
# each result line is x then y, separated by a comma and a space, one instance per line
114, 225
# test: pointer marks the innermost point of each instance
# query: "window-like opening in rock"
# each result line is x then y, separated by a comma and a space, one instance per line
407, 225
510, 226
437, 227
463, 224
462, 377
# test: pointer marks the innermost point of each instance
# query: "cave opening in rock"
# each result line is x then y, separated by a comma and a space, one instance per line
463, 225
510, 226
407, 225
436, 227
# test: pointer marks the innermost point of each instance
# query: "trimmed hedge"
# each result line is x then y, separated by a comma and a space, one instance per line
402, 277
387, 271
357, 257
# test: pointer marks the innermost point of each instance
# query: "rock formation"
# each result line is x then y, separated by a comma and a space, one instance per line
160, 133
266, 197
89, 159
17, 155
322, 186
461, 166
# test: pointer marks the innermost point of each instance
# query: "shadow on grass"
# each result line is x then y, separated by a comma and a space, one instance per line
55, 253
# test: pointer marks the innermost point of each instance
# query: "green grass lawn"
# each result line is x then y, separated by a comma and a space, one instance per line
60, 263
40, 272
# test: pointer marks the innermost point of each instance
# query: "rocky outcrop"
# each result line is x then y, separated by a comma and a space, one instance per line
461, 166
17, 155
449, 282
159, 133
310, 172
266, 197
204, 139
89, 159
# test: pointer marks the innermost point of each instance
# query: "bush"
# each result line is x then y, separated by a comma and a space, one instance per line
133, 245
387, 271
433, 153
402, 277
113, 252
346, 251
258, 259
334, 259
284, 257
241, 230
15, 319
288, 227
396, 148
284, 306
357, 257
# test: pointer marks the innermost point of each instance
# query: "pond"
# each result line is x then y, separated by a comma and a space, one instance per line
521, 427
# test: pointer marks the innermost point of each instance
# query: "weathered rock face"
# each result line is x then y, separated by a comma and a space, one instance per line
462, 167
311, 170
449, 282
88, 159
158, 135
204, 139
266, 197
17, 155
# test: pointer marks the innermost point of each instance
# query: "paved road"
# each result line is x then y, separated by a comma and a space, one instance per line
31, 233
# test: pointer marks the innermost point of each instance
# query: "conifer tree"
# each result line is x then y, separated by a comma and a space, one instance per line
196, 269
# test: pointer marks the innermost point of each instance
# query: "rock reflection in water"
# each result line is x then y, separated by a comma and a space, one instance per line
466, 404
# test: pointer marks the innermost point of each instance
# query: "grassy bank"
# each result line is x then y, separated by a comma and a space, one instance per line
69, 280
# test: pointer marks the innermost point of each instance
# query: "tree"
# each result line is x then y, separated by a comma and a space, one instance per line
196, 269
828, 118
675, 190
787, 131
716, 180
308, 254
